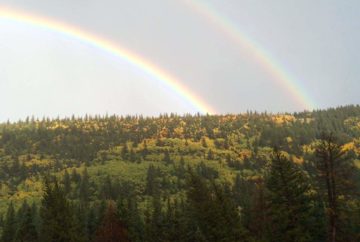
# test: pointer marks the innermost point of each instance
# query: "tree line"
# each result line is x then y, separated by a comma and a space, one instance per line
247, 177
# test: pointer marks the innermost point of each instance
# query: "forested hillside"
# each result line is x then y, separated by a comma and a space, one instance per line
247, 177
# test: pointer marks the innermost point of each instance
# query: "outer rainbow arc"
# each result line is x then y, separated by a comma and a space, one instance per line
261, 55
112, 48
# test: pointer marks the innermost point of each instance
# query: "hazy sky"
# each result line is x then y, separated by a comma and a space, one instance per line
44, 73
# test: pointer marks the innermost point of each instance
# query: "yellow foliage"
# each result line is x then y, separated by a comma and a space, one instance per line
348, 146
179, 132
298, 160
4, 190
216, 131
29, 182
231, 118
37, 162
182, 123
308, 148
245, 153
20, 195
353, 122
164, 132
58, 125
284, 153
283, 118
246, 126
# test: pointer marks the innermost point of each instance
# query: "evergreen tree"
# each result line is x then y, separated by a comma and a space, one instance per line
216, 215
210, 155
111, 228
157, 219
26, 230
289, 203
145, 150
167, 158
58, 223
9, 229
91, 224
129, 212
336, 175
256, 212
84, 187
75, 177
132, 155
107, 188
152, 183
67, 182
124, 152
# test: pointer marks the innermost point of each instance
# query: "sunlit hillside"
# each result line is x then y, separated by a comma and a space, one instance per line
147, 166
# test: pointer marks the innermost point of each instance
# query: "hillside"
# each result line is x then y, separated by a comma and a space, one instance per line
147, 165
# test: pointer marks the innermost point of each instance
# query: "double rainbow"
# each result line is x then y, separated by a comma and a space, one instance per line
124, 54
289, 83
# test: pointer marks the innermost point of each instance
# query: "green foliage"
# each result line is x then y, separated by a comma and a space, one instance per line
215, 214
27, 231
233, 192
58, 222
9, 228
289, 199
335, 172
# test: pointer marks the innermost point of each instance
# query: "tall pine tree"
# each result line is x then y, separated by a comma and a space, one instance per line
57, 215
288, 201
26, 229
335, 172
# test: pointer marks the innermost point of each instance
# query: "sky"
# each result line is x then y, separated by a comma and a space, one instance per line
314, 44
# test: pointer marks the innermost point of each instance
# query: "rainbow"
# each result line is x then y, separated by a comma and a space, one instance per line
285, 80
109, 47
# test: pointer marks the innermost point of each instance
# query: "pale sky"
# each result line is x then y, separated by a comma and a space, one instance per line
43, 73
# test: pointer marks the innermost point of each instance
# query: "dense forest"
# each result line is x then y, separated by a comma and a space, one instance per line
247, 177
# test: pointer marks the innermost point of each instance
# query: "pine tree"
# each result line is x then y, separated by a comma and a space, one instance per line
58, 223
124, 152
157, 220
257, 210
75, 177
10, 224
249, 196
335, 172
132, 155
111, 228
67, 182
145, 150
152, 183
289, 204
84, 187
26, 230
91, 224
167, 158
228, 214
107, 188
210, 155
80, 211
129, 212
214, 212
